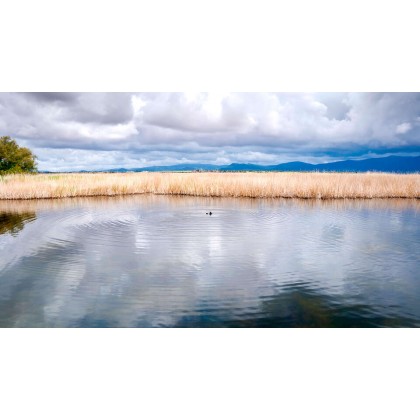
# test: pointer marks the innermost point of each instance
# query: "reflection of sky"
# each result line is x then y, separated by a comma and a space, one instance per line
145, 261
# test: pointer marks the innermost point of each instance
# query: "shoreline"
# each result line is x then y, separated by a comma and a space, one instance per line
67, 197
300, 185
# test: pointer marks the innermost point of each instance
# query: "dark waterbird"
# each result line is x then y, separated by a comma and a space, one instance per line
210, 213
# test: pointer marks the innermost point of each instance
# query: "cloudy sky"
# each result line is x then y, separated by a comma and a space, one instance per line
73, 131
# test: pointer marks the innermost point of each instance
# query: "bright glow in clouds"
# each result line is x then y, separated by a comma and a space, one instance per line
73, 131
403, 128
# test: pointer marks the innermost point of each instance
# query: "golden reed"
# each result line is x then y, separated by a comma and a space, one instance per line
210, 184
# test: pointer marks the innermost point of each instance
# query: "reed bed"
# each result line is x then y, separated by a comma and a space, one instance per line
253, 185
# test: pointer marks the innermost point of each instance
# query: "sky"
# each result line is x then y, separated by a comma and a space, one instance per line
93, 131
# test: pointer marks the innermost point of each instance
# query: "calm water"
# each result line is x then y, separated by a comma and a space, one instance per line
159, 261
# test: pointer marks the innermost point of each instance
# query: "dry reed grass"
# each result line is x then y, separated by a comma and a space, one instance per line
253, 185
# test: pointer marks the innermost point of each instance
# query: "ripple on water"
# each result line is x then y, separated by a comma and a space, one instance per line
162, 261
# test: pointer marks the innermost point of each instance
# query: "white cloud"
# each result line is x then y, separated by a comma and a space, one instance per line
403, 128
265, 127
279, 119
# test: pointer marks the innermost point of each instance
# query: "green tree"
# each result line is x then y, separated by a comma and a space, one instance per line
15, 159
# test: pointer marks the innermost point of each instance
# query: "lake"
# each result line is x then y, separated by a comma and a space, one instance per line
161, 261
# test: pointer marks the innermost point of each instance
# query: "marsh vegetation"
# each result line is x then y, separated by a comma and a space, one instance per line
252, 185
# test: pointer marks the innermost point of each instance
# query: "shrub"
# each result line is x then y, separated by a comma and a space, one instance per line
15, 159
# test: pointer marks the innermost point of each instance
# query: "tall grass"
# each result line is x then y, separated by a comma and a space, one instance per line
254, 185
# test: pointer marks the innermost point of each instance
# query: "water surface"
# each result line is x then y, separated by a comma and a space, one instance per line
161, 261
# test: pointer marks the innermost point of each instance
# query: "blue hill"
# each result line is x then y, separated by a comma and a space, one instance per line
397, 164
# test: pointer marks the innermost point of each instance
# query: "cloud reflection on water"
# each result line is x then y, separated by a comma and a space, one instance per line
161, 261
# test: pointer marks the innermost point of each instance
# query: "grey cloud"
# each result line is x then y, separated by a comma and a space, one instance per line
336, 103
103, 108
53, 96
266, 127
64, 116
206, 113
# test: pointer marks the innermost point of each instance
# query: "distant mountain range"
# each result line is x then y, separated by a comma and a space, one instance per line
398, 164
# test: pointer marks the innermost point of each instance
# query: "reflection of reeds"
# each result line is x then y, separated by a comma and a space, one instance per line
252, 185
152, 201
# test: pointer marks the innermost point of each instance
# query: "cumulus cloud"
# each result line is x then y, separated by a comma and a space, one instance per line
157, 128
